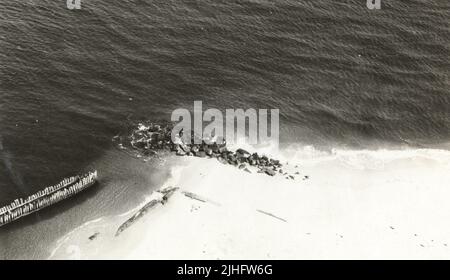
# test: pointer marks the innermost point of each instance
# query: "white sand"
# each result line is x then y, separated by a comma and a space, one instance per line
356, 205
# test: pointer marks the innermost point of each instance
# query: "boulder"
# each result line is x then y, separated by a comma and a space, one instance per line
180, 153
242, 153
231, 157
139, 144
222, 160
194, 149
201, 154
215, 148
268, 171
221, 142
209, 151
175, 147
241, 159
185, 147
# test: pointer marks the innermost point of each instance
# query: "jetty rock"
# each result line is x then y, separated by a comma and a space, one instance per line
201, 154
195, 149
268, 171
180, 152
153, 139
243, 153
209, 151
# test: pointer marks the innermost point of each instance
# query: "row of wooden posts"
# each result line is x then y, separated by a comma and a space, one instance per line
46, 197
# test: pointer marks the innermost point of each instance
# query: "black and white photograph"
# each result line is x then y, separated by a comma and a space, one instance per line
224, 130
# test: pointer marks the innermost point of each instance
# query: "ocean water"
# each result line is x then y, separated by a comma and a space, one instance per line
342, 76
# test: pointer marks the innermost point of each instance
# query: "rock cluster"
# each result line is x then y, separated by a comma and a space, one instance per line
151, 138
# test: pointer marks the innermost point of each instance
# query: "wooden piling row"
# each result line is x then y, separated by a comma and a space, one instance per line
50, 195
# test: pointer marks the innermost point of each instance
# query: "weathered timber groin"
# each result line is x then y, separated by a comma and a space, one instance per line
46, 197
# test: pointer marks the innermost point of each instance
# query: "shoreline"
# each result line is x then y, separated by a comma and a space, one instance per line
341, 212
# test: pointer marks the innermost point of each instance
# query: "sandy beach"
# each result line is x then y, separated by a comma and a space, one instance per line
365, 205
349, 99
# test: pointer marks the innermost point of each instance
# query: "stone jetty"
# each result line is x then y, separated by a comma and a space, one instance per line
46, 197
150, 139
